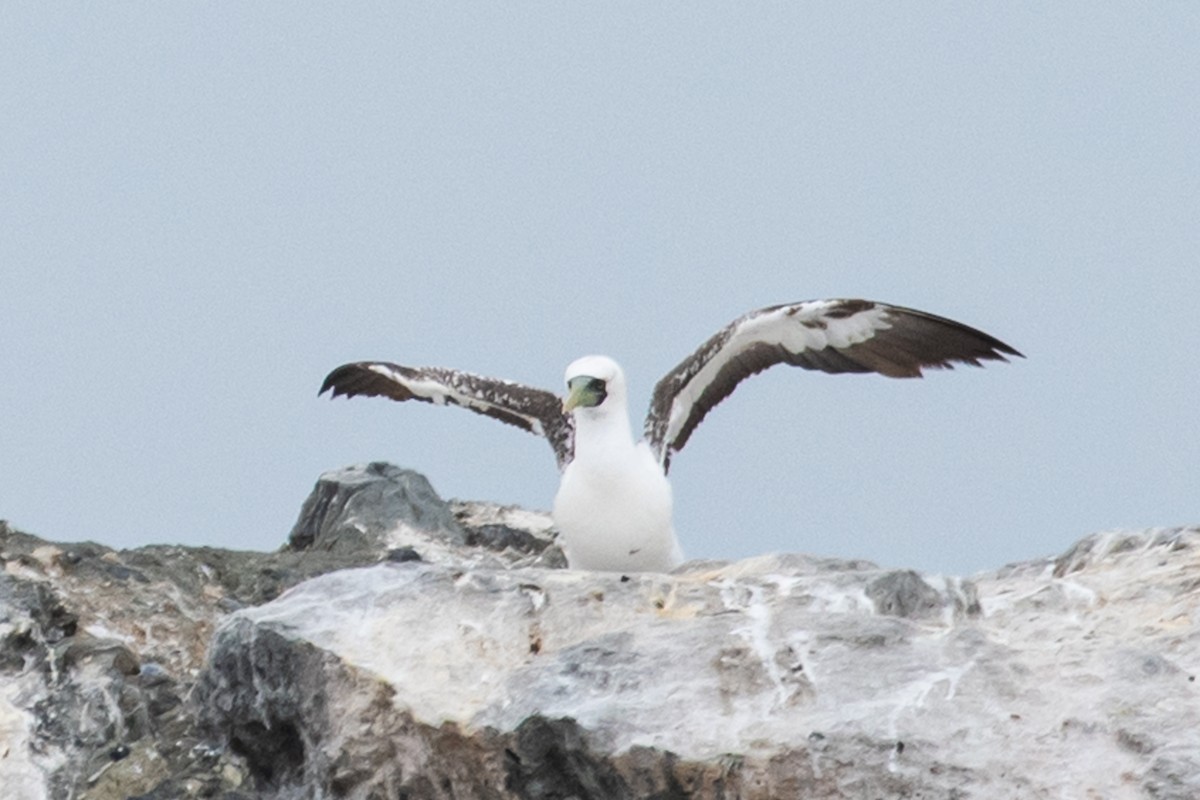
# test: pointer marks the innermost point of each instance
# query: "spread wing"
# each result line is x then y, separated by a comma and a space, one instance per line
533, 410
827, 335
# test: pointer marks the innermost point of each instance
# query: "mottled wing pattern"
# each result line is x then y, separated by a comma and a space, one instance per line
827, 335
533, 410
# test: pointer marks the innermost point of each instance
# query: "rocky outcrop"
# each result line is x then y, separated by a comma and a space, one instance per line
100, 649
399, 646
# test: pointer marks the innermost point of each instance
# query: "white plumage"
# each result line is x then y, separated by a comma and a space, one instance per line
613, 506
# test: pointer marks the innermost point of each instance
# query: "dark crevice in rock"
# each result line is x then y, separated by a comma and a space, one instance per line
550, 761
274, 752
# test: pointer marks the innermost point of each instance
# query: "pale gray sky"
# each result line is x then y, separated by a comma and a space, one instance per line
207, 206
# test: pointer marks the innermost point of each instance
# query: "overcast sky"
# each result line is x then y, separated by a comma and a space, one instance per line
207, 206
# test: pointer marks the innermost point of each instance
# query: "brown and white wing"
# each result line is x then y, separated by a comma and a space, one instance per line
827, 335
533, 410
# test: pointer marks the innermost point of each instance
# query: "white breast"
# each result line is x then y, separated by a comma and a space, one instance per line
613, 512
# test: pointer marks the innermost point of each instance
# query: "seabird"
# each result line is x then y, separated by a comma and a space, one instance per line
613, 506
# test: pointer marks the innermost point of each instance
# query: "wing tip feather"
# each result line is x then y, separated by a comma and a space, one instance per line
350, 380
331, 382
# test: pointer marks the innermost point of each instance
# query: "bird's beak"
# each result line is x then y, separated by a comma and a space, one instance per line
572, 400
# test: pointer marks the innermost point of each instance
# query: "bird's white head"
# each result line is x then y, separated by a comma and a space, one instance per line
595, 385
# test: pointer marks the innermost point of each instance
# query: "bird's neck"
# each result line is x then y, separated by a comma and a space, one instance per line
602, 436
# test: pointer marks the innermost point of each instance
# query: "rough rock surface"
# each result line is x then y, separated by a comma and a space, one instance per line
402, 647
781, 676
100, 649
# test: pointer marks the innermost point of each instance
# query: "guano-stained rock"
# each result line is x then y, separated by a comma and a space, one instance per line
779, 676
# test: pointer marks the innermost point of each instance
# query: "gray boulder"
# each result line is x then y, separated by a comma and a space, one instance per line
380, 507
366, 505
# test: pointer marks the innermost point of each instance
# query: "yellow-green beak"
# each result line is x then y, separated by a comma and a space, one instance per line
575, 398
